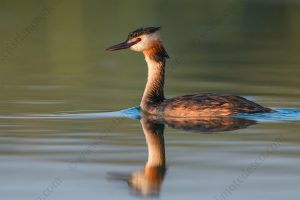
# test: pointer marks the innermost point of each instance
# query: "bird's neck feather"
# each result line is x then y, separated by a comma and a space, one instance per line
154, 91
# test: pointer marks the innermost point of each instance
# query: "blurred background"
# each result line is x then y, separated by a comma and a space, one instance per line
53, 60
58, 50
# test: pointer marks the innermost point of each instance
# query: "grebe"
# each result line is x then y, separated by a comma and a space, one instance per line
148, 41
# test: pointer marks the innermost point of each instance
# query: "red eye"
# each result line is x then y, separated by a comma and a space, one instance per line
139, 39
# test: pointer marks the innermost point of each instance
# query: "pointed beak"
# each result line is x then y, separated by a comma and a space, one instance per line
123, 45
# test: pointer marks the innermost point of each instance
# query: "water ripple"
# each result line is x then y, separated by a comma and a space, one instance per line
282, 114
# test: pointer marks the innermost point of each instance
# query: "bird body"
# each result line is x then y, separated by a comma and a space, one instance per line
208, 104
147, 40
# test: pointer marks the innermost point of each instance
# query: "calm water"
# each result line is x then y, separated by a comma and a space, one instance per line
60, 137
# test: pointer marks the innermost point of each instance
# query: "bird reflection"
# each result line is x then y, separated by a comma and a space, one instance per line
148, 181
204, 124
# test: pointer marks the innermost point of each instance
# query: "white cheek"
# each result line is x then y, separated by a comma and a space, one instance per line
145, 43
138, 47
142, 45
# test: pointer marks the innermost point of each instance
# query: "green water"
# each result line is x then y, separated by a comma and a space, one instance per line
53, 62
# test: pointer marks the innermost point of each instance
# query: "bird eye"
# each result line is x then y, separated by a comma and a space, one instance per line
139, 39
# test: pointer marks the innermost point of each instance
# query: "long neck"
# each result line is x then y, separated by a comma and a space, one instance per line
154, 90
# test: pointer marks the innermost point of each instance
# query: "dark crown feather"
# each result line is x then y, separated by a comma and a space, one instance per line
142, 31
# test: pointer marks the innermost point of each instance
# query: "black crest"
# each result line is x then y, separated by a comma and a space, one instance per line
142, 31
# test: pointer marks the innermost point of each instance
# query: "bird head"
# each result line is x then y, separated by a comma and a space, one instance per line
140, 40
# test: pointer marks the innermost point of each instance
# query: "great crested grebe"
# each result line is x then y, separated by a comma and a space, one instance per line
147, 40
